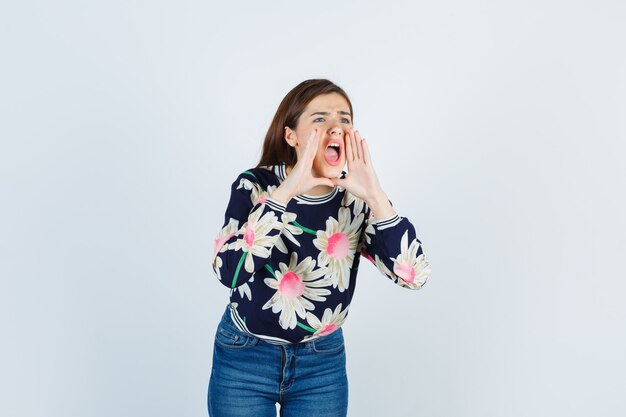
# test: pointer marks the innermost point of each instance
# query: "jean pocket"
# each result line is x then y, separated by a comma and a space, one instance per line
231, 339
331, 343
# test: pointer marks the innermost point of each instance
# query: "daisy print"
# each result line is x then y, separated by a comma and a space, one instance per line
369, 229
337, 245
412, 270
296, 285
222, 237
380, 265
331, 321
217, 264
362, 248
257, 194
349, 198
288, 231
244, 290
255, 239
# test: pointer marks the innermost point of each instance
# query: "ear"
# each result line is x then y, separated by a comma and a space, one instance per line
290, 137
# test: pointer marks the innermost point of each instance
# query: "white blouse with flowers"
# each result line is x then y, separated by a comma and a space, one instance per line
292, 270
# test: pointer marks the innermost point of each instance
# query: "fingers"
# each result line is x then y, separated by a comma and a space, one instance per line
349, 152
324, 181
366, 153
309, 141
311, 146
356, 144
363, 151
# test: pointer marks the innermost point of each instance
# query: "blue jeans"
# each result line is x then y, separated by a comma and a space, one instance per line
249, 375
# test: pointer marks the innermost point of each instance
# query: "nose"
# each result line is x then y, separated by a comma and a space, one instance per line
336, 131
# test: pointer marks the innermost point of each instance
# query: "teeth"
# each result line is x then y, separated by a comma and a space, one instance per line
334, 145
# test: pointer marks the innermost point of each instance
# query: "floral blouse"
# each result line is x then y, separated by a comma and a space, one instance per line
292, 269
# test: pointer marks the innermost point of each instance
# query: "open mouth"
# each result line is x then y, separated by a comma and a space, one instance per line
332, 153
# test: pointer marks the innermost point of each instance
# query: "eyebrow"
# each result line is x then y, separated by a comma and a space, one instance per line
325, 113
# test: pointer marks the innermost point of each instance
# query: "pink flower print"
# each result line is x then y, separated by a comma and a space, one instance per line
337, 245
219, 243
224, 235
404, 271
256, 239
296, 285
257, 195
331, 321
248, 236
327, 329
291, 286
410, 270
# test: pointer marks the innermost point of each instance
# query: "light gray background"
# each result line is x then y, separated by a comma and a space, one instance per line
496, 127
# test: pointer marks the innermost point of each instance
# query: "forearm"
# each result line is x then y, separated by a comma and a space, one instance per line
395, 250
247, 250
282, 194
380, 206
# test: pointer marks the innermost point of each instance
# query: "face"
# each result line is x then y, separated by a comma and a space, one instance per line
331, 114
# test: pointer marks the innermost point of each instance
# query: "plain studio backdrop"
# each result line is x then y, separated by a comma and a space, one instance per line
496, 127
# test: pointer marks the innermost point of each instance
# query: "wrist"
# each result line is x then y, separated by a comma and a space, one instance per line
380, 206
281, 195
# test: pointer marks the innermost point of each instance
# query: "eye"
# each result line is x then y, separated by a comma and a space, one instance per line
343, 120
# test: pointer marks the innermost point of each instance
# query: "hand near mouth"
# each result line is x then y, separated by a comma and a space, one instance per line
361, 180
300, 180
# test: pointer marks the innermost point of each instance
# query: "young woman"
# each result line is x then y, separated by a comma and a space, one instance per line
294, 231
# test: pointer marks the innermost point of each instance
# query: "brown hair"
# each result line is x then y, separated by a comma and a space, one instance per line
276, 150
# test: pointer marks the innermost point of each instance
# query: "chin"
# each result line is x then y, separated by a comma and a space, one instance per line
329, 171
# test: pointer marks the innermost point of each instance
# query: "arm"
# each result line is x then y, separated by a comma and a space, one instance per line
251, 226
388, 239
249, 233
392, 246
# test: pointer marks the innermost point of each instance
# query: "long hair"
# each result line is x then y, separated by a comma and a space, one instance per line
276, 150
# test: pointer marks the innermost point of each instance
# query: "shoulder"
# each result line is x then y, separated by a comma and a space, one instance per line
261, 178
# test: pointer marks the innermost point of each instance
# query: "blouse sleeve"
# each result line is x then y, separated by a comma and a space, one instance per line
251, 228
392, 246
